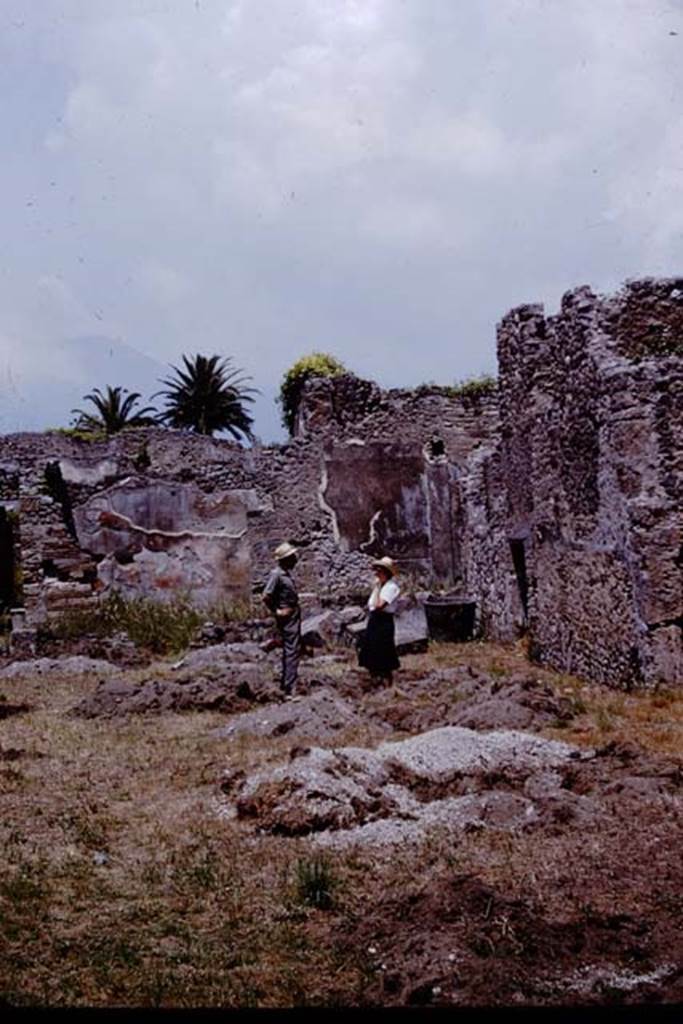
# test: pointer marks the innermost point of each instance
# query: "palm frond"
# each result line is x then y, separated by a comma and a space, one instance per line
115, 411
207, 396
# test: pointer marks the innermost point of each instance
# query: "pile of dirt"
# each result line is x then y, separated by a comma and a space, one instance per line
595, 922
318, 717
221, 656
229, 691
450, 776
71, 665
621, 772
117, 648
472, 699
455, 940
230, 678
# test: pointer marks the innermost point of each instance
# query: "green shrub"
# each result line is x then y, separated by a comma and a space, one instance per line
238, 610
317, 364
79, 434
473, 387
161, 627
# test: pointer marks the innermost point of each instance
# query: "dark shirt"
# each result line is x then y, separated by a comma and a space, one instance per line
279, 591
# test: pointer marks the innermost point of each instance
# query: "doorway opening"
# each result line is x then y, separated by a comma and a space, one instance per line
519, 562
10, 595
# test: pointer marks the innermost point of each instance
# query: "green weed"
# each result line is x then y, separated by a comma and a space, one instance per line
316, 882
163, 627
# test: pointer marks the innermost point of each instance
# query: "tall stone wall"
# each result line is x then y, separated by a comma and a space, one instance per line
592, 440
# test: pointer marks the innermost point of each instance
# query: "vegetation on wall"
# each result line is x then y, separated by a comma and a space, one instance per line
317, 364
76, 434
470, 387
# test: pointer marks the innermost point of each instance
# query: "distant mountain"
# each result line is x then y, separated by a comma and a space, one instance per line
102, 359
38, 391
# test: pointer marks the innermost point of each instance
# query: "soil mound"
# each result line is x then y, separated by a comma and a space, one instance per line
452, 775
221, 656
233, 690
476, 700
318, 717
452, 940
75, 665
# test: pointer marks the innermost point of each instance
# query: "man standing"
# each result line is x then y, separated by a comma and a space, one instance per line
281, 598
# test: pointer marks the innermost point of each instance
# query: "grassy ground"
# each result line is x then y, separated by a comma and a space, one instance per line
121, 884
653, 719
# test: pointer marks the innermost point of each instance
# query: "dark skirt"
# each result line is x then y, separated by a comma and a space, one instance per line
377, 650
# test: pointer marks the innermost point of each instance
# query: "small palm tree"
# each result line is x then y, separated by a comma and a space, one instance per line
208, 395
115, 411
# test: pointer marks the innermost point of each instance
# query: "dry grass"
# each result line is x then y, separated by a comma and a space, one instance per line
651, 718
121, 885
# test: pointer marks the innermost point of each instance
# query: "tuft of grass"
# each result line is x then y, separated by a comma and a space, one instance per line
475, 387
79, 434
232, 611
316, 882
604, 720
470, 387
161, 627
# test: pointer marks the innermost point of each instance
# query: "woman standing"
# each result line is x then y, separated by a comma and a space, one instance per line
378, 649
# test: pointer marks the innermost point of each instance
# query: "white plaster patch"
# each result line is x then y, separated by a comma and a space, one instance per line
324, 481
97, 474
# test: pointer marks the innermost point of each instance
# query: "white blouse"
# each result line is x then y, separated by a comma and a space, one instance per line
388, 593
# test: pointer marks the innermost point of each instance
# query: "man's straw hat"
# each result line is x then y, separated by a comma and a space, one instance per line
387, 564
285, 551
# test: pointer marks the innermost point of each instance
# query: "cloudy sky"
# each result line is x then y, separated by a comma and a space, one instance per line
381, 179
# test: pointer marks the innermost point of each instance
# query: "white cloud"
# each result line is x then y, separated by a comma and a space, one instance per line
263, 178
164, 284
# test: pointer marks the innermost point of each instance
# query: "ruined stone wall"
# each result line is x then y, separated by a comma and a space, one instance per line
555, 503
592, 440
157, 512
416, 474
151, 513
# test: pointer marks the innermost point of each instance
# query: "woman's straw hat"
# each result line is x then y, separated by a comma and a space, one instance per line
285, 551
387, 564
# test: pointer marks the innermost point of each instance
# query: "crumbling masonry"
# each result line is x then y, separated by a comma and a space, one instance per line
555, 503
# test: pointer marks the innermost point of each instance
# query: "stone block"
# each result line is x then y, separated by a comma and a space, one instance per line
411, 634
23, 642
321, 630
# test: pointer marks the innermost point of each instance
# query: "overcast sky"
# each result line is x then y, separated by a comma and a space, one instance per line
381, 179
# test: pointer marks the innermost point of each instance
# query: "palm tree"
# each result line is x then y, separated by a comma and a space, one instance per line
115, 411
208, 395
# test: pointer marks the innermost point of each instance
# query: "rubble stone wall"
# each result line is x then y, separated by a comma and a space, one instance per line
592, 448
554, 503
157, 512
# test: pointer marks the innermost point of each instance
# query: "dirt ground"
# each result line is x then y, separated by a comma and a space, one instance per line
130, 876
